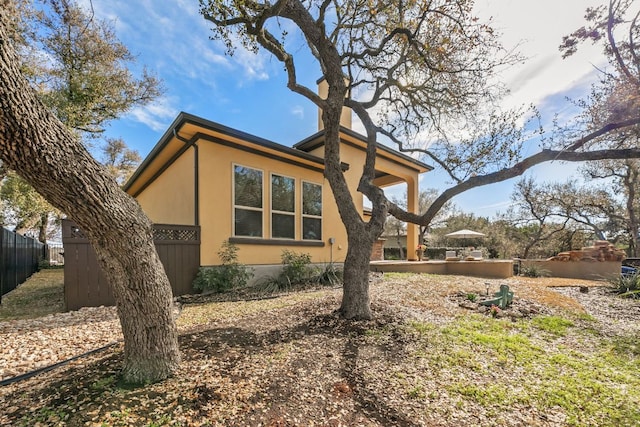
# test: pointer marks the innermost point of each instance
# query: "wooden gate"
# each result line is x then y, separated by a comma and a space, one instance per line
85, 285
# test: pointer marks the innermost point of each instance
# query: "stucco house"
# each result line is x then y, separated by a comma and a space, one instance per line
261, 195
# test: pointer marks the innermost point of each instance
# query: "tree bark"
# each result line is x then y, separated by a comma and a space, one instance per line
356, 303
41, 149
631, 181
355, 297
42, 229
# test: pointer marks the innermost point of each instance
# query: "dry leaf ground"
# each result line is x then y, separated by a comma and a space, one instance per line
425, 360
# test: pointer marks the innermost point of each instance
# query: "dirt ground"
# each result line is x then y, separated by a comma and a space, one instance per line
292, 361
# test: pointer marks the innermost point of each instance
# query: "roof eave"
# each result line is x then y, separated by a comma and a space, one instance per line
316, 140
185, 118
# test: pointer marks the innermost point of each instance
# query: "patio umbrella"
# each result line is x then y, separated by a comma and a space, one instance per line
464, 234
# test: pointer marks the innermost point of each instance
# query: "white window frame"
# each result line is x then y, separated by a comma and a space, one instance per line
272, 211
303, 215
248, 208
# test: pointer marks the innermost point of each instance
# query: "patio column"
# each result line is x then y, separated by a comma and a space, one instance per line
412, 229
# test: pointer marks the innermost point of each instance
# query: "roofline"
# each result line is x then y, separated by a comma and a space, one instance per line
186, 118
316, 136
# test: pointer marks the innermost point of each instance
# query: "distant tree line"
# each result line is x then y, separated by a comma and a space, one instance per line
544, 219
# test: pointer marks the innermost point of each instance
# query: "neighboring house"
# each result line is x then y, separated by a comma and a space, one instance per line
262, 196
395, 242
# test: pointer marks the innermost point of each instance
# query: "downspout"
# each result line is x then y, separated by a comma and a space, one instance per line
196, 177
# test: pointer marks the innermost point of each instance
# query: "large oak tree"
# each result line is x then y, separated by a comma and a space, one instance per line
39, 147
81, 72
409, 70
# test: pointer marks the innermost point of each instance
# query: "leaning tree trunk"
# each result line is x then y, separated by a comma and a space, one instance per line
37, 145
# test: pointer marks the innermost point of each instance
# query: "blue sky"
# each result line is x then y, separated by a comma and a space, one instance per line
248, 91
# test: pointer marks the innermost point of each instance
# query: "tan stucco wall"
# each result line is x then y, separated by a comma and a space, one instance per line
490, 269
216, 207
170, 199
589, 270
355, 157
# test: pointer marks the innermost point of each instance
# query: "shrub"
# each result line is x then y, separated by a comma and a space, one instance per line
329, 276
627, 285
298, 273
533, 271
296, 267
231, 274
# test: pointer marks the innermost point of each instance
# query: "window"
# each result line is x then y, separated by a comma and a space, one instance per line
311, 211
247, 200
283, 196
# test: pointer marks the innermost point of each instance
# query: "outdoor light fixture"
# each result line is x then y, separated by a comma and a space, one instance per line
487, 284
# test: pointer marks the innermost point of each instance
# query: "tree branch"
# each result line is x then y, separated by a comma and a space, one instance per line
512, 172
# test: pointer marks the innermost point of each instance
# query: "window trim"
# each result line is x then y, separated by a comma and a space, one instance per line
303, 215
275, 242
247, 208
279, 212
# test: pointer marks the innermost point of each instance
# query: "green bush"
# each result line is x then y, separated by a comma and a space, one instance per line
296, 267
298, 273
627, 285
231, 274
329, 276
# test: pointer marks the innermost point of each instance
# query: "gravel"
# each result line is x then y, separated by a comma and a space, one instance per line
36, 343
615, 315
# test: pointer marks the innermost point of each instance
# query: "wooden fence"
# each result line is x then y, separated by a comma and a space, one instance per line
19, 259
85, 284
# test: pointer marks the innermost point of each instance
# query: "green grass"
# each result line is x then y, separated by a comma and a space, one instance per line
553, 325
41, 294
515, 363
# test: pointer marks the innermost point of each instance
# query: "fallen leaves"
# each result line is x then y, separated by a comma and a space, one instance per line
292, 361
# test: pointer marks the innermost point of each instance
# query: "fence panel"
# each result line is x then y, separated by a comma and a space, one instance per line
19, 258
85, 285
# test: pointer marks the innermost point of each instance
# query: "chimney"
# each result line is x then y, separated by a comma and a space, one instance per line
345, 117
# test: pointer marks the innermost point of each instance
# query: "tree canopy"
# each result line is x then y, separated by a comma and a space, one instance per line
80, 67
420, 74
82, 73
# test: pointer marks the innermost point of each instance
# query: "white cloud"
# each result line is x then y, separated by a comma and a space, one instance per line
175, 39
298, 111
252, 64
536, 29
156, 116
